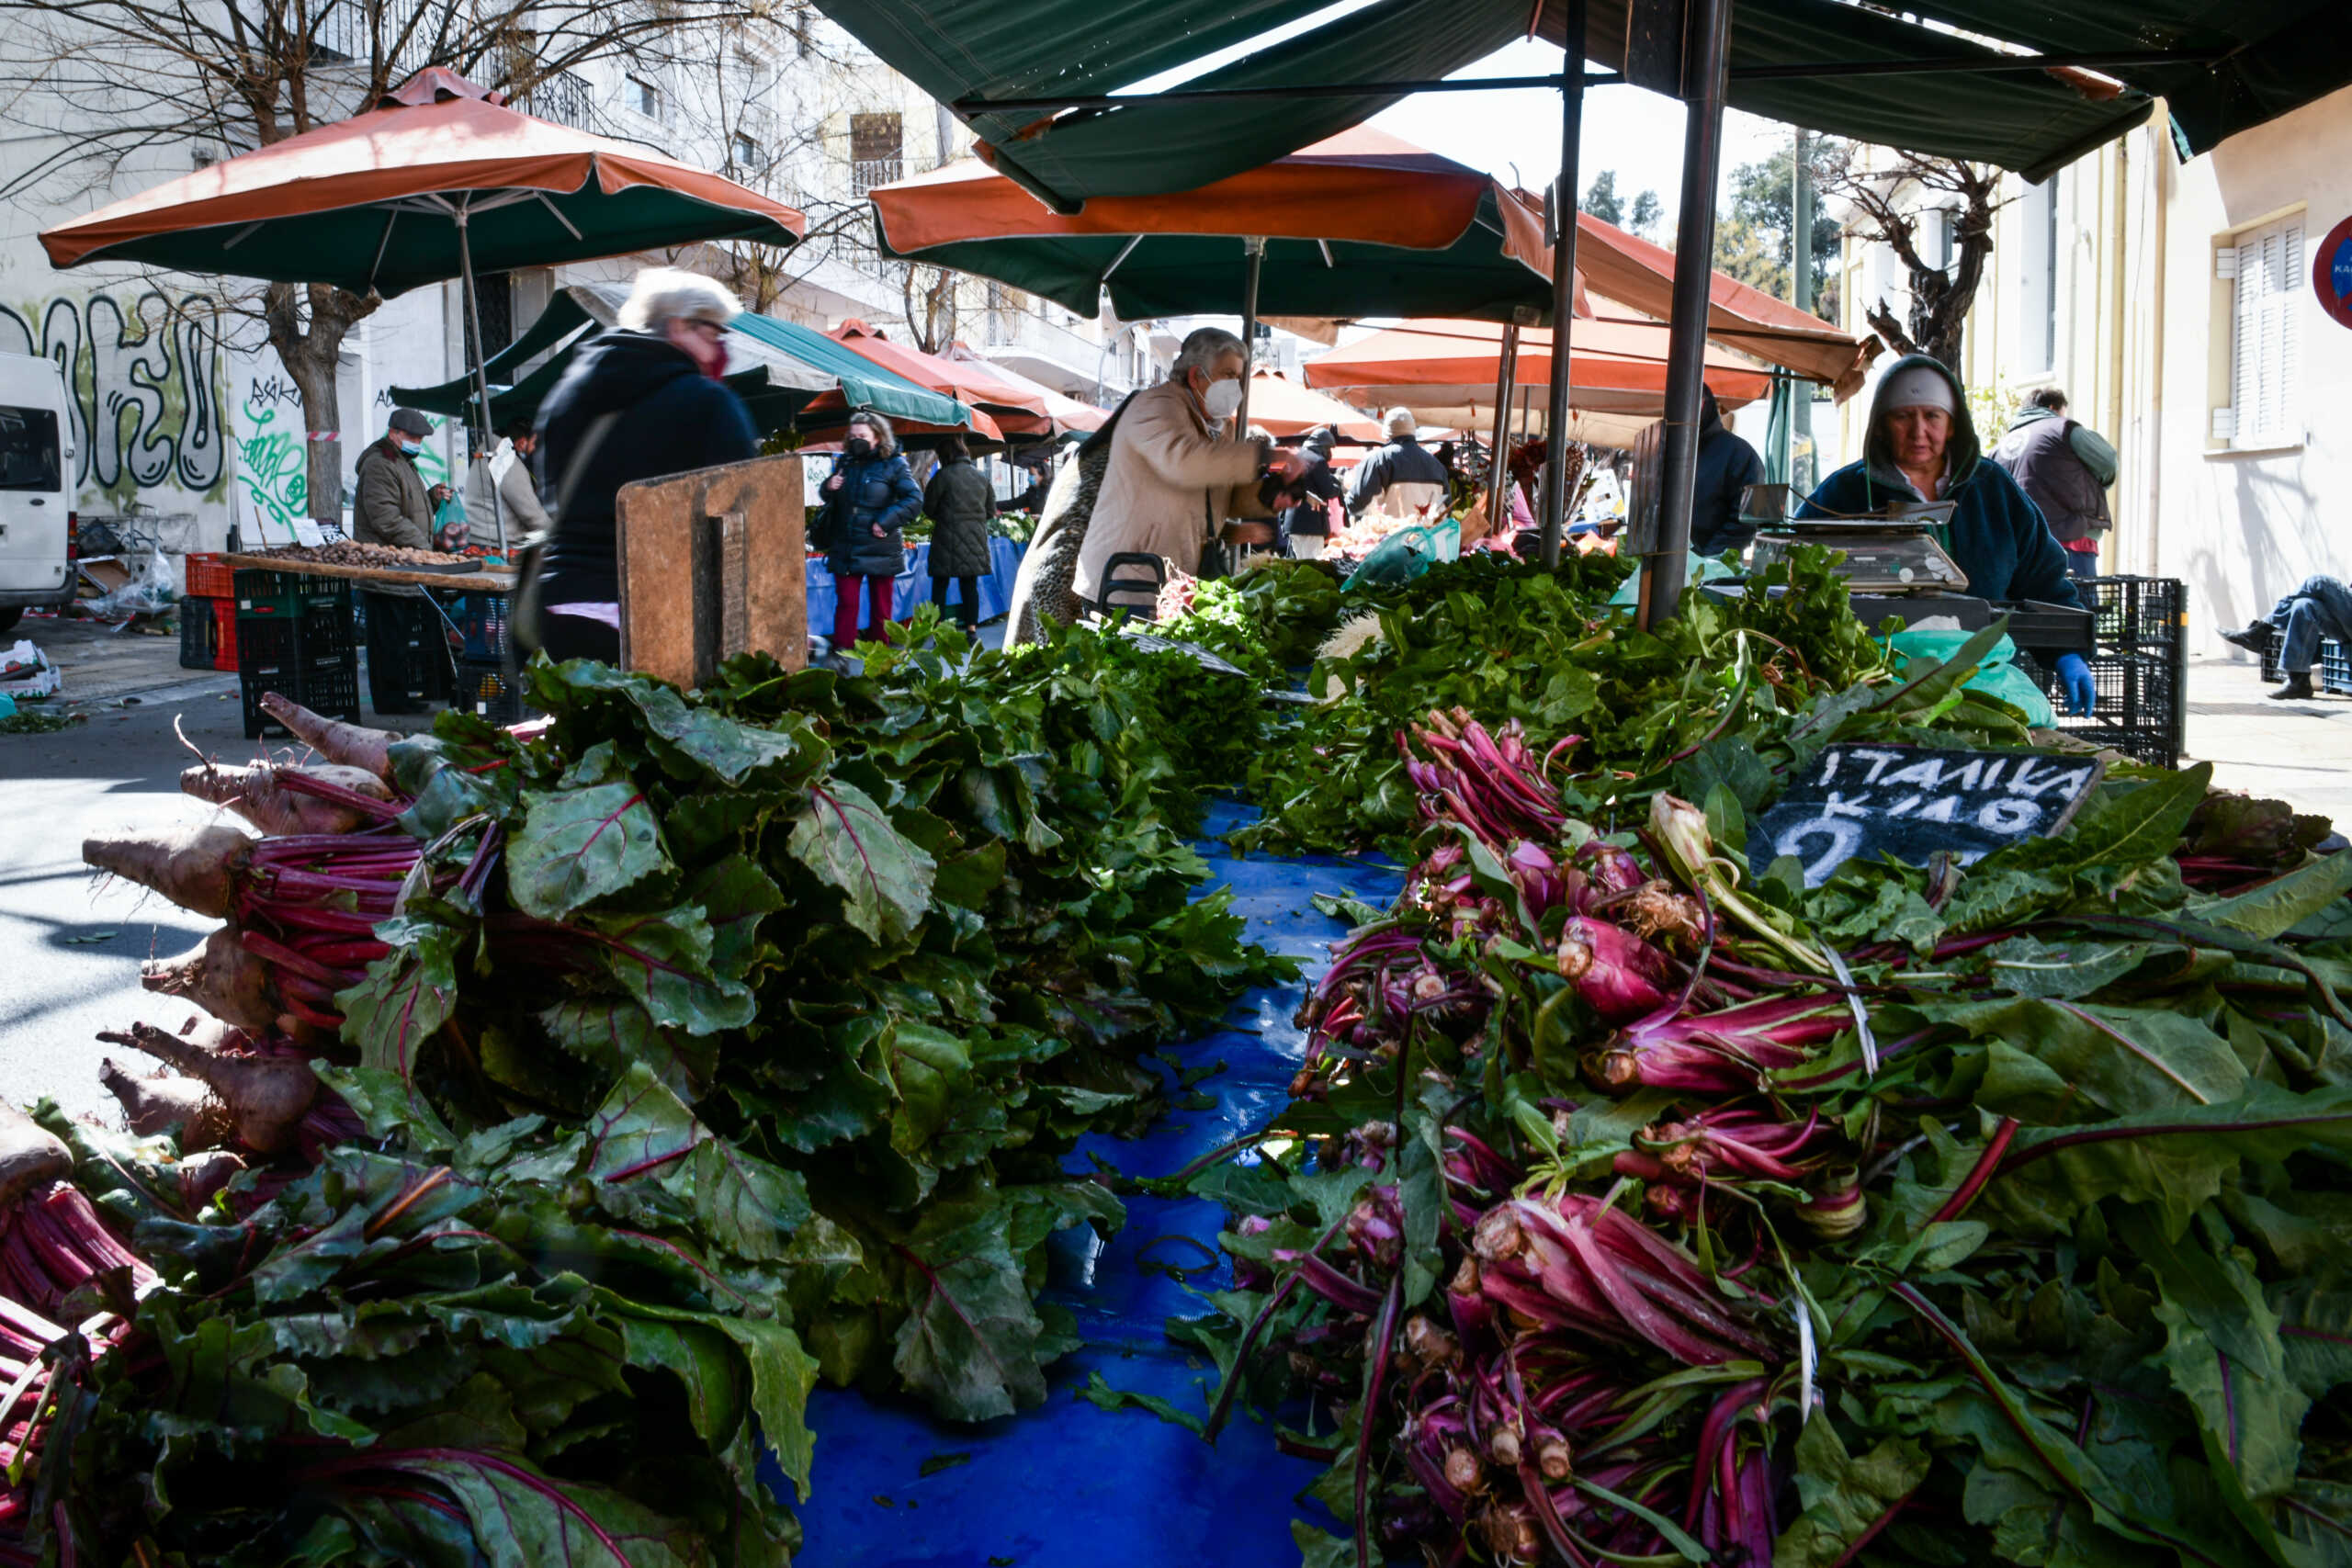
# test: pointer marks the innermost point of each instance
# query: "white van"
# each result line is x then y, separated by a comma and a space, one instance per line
37, 521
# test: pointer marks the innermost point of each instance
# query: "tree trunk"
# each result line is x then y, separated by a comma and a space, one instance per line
309, 344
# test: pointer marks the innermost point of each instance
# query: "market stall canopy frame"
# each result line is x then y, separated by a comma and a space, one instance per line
1031, 77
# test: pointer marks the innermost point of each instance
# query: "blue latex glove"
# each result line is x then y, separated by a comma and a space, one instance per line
2076, 674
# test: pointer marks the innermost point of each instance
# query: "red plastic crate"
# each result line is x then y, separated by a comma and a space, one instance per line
224, 634
210, 578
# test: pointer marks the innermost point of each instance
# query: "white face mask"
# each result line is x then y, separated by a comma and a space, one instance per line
1222, 400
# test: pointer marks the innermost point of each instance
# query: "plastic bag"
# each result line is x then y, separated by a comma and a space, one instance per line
1398, 558
1998, 676
151, 591
1448, 538
1703, 569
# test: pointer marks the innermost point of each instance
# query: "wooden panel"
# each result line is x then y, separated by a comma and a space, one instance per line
712, 564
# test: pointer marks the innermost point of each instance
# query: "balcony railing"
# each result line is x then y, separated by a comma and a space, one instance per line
565, 98
864, 174
345, 32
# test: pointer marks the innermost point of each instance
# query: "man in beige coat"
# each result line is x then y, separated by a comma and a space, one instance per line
1167, 487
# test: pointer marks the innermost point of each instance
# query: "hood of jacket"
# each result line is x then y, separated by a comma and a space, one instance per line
1962, 452
618, 369
2033, 414
1710, 413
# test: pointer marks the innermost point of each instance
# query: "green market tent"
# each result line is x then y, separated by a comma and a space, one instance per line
792, 377
1011, 68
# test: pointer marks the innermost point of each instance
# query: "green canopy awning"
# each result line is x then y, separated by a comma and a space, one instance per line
2221, 68
791, 366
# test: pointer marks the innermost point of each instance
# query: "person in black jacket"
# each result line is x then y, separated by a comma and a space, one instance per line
1403, 479
958, 503
658, 373
870, 498
1303, 503
1726, 467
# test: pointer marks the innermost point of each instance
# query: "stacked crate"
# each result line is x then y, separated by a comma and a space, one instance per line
485, 683
294, 638
2138, 666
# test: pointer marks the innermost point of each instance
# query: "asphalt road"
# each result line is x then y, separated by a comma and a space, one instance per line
72, 944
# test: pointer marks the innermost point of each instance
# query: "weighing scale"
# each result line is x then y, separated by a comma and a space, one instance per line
1897, 568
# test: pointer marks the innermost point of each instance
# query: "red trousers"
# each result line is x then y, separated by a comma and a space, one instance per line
879, 591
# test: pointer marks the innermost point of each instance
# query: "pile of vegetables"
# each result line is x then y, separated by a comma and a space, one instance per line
561, 1103
1638, 1204
612, 1080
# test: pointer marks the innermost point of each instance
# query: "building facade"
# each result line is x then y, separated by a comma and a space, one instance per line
183, 409
2175, 303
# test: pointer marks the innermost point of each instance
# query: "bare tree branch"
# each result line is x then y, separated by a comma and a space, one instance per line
1890, 204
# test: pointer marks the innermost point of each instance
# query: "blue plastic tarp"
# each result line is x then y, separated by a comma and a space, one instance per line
914, 585
1066, 1484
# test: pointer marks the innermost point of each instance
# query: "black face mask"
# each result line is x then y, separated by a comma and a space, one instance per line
858, 446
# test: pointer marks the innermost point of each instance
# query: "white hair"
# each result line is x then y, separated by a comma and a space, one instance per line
1203, 348
1401, 422
672, 294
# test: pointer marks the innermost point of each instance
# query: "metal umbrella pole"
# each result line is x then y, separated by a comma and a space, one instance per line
1666, 560
1506, 374
1564, 283
478, 451
1255, 249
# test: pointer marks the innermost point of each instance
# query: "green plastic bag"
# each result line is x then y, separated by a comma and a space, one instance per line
1703, 569
1398, 558
1997, 677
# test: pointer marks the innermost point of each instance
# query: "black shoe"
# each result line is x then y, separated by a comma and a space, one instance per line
2256, 639
2296, 687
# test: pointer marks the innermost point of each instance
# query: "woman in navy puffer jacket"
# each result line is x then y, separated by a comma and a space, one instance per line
869, 500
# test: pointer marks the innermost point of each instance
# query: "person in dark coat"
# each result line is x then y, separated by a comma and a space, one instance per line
2067, 469
658, 372
1728, 466
1922, 446
1403, 479
959, 504
1303, 503
870, 498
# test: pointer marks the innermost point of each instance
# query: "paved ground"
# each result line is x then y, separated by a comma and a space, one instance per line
70, 946
2299, 752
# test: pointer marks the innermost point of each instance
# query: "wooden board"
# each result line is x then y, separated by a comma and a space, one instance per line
484, 582
712, 565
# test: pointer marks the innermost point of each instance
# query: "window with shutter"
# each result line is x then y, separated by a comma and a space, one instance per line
2265, 349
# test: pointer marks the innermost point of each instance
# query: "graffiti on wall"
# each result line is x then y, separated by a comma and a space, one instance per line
272, 466
148, 388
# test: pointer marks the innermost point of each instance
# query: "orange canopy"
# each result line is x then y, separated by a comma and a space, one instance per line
1632, 270
334, 200
1068, 412
1284, 408
1018, 412
1615, 366
1472, 244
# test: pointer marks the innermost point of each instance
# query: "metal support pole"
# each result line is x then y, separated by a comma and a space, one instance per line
1256, 250
1564, 282
478, 450
1498, 474
1802, 470
1665, 560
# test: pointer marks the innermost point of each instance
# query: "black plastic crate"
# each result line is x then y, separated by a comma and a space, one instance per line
2136, 615
2137, 710
2334, 670
488, 688
312, 642
333, 692
200, 636
481, 620
262, 595
2271, 671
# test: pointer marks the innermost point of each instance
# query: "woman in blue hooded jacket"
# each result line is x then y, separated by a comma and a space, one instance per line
1922, 445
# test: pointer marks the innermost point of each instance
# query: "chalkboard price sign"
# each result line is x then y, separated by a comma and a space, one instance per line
1908, 802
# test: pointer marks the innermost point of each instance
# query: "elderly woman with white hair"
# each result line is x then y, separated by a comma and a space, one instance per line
1922, 446
1403, 479
1175, 463
641, 401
